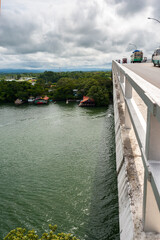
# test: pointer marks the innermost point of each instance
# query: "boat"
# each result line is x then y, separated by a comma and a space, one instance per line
87, 102
31, 99
40, 100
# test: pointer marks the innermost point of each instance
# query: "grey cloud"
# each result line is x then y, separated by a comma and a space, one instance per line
80, 34
21, 35
131, 7
82, 19
155, 4
127, 8
16, 31
92, 38
81, 28
77, 30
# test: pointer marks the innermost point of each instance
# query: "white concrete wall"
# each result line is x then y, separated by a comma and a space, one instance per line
125, 215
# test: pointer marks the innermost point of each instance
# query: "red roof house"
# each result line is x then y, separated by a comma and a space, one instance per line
87, 102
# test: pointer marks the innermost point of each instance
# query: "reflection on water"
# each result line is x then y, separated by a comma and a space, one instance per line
58, 166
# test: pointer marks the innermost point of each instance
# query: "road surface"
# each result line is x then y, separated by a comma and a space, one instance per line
147, 71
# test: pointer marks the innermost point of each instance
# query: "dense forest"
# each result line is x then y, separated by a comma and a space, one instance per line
60, 86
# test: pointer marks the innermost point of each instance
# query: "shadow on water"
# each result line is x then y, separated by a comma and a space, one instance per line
104, 220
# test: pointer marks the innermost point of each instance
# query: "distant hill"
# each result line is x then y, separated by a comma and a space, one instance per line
5, 71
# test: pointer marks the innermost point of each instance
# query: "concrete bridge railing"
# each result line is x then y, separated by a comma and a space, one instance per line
147, 134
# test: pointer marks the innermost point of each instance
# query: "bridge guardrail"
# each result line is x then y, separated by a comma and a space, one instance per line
147, 134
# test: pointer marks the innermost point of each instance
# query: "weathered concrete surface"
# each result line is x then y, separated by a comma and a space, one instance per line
125, 216
131, 172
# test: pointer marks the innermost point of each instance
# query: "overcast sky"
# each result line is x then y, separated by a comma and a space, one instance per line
61, 34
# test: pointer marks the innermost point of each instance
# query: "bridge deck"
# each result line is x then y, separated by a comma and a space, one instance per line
147, 71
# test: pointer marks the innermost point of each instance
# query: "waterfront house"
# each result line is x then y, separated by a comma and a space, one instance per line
41, 100
87, 102
18, 101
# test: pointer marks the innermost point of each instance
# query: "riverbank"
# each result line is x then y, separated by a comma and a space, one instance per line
60, 87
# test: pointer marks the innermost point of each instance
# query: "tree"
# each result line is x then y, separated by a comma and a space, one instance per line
21, 234
18, 76
97, 85
64, 89
100, 95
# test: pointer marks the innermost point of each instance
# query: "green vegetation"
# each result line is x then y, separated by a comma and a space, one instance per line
21, 234
10, 91
60, 86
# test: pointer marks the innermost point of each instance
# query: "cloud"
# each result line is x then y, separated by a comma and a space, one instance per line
71, 33
130, 8
156, 9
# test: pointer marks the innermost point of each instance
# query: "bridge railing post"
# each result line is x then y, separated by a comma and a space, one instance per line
151, 213
128, 95
152, 148
122, 77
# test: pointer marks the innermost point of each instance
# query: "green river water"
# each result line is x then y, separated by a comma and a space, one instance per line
57, 166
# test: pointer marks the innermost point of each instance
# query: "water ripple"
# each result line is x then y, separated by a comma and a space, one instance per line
58, 166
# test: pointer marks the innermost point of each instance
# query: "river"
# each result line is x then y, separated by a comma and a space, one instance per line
57, 166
